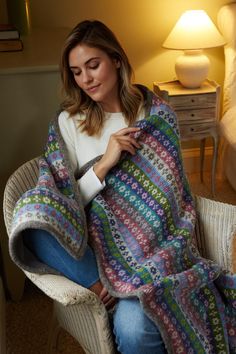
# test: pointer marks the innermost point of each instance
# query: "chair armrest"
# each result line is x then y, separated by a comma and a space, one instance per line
63, 290
216, 231
23, 179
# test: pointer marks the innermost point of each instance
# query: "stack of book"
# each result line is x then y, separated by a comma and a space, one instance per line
10, 39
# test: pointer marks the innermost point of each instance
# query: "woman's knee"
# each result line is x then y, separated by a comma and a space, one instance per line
134, 332
49, 251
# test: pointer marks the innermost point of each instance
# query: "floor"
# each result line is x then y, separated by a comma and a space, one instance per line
27, 322
27, 325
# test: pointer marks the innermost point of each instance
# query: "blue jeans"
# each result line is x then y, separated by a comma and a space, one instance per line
49, 251
134, 332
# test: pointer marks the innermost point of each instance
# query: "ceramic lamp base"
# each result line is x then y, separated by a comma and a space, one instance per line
192, 68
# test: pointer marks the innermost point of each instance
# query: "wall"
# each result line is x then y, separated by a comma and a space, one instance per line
3, 11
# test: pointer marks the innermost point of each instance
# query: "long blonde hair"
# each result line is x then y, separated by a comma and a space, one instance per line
97, 35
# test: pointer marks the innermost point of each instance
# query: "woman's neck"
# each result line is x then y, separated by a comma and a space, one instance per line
112, 103
111, 107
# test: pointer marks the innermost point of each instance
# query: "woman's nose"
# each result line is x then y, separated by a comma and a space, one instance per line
86, 77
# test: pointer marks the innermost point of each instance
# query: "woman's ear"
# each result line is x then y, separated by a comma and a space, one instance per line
117, 63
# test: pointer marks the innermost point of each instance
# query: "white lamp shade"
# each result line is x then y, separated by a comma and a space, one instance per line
194, 30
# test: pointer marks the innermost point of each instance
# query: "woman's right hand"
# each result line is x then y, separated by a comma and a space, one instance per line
108, 300
118, 142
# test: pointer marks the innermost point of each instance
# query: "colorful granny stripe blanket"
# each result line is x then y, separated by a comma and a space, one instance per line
141, 228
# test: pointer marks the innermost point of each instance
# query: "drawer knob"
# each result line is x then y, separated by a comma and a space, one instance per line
192, 115
192, 129
193, 100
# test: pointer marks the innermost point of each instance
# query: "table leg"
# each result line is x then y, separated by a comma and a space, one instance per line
202, 155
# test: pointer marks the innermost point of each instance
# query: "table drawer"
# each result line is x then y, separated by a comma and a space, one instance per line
196, 131
193, 101
197, 115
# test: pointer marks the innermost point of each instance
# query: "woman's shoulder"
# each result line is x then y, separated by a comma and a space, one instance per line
65, 118
69, 123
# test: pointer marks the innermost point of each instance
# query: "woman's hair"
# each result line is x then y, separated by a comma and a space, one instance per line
97, 35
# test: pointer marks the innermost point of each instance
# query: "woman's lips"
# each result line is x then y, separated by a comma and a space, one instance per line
92, 88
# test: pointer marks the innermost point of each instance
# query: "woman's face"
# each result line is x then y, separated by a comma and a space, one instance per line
96, 74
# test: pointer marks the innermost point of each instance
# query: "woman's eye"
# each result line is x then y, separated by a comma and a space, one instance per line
94, 66
76, 73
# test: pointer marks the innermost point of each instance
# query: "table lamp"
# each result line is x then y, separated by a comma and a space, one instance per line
193, 32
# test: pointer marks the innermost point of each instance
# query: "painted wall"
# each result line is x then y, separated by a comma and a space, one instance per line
141, 26
3, 11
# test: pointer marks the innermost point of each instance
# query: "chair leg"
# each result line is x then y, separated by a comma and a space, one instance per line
53, 335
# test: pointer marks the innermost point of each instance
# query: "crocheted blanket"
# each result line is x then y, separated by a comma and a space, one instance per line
141, 228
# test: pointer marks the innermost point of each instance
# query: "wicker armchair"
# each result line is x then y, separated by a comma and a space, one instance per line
78, 310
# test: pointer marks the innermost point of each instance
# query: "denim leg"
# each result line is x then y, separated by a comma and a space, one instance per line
49, 251
134, 332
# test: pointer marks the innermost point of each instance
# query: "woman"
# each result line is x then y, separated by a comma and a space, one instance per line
100, 107
140, 225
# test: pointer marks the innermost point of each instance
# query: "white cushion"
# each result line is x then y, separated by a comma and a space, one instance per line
227, 23
227, 26
228, 126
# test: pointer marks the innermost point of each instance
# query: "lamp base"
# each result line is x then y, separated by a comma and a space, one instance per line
192, 68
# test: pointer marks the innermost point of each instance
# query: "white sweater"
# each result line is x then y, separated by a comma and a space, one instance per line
82, 148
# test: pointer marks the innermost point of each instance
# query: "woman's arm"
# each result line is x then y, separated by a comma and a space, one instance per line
89, 184
92, 182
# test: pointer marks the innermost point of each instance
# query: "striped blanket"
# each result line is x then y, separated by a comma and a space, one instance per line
141, 228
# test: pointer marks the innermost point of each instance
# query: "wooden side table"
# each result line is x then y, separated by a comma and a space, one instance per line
198, 115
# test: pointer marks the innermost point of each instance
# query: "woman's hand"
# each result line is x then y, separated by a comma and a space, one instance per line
108, 300
118, 142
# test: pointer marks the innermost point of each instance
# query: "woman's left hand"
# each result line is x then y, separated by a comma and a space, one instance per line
103, 294
108, 300
118, 142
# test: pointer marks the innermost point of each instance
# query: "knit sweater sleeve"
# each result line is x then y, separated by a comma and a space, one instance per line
89, 183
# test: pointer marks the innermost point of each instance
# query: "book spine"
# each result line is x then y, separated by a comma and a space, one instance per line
11, 45
9, 34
